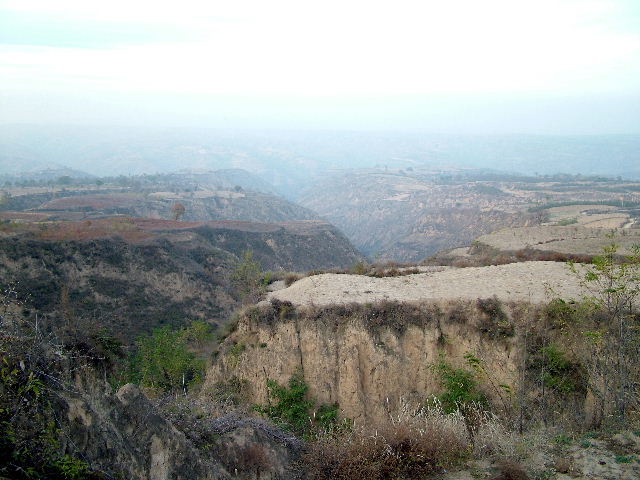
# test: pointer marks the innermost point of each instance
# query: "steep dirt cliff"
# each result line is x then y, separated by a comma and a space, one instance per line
366, 357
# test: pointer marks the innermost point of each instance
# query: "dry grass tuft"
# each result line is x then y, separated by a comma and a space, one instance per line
412, 444
511, 471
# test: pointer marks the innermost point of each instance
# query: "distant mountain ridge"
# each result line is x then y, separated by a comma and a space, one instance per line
291, 160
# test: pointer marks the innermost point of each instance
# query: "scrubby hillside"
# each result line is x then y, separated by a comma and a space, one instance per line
130, 275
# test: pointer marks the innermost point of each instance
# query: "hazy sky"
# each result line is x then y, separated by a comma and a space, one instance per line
538, 66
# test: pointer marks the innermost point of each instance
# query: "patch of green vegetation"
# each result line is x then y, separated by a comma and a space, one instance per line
248, 278
567, 221
460, 387
72, 468
291, 409
561, 314
29, 446
626, 458
563, 439
164, 362
558, 373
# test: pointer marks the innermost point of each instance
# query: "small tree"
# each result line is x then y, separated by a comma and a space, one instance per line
247, 277
612, 332
163, 361
178, 211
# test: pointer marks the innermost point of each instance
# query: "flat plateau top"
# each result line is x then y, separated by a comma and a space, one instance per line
528, 281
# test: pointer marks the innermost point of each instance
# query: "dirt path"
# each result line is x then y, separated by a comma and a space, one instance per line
529, 281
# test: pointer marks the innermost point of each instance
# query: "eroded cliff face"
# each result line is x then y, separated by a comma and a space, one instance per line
365, 358
125, 435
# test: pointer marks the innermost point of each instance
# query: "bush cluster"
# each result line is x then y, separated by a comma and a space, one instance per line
414, 444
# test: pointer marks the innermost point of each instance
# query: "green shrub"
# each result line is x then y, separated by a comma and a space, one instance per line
625, 458
559, 373
248, 278
460, 388
563, 439
291, 409
72, 468
561, 314
163, 361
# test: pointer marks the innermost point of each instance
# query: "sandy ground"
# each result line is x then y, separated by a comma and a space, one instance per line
529, 281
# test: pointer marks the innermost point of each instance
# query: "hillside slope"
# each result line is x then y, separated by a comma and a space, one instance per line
231, 194
131, 275
407, 215
404, 218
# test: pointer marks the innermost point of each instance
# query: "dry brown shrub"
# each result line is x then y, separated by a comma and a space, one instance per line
503, 259
525, 254
412, 444
292, 277
463, 263
253, 459
511, 471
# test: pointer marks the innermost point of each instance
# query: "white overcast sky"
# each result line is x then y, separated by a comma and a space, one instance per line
448, 65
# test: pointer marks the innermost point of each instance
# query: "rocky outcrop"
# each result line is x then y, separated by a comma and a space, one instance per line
123, 434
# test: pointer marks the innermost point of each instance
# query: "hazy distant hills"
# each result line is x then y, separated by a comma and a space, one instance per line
230, 194
399, 217
291, 160
408, 215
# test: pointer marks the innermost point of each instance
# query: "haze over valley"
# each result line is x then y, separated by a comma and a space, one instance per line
313, 241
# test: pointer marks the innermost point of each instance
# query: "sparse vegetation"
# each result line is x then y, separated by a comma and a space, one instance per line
163, 361
495, 321
460, 388
413, 443
568, 221
610, 334
33, 365
248, 278
293, 410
